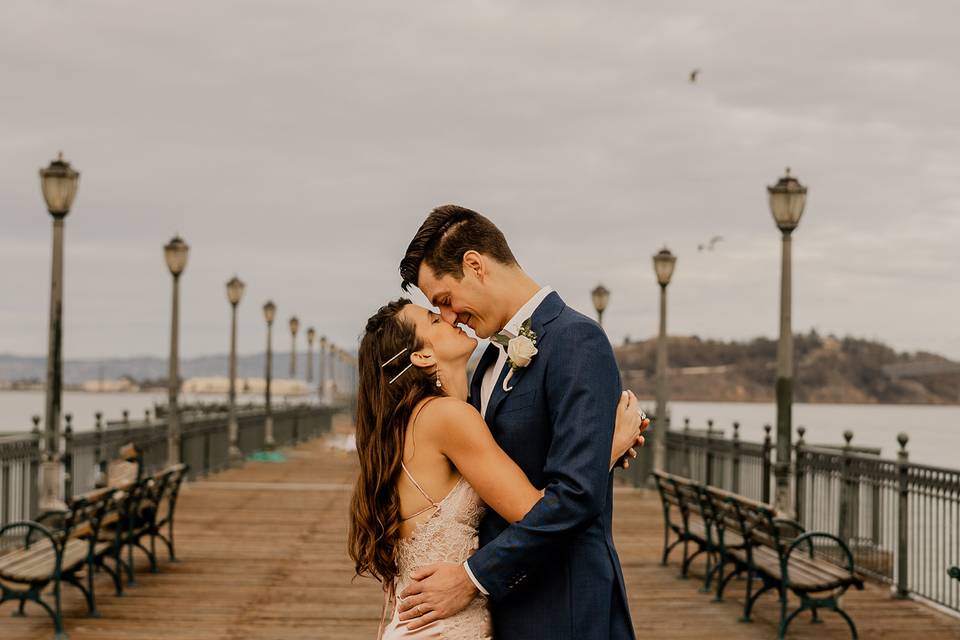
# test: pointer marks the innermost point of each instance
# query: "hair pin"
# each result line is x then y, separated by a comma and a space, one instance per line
402, 351
401, 373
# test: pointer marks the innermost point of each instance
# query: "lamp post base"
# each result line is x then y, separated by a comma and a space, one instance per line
50, 483
268, 442
235, 456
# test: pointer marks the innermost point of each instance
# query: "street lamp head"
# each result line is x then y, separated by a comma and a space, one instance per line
176, 252
235, 290
294, 325
311, 334
663, 263
787, 200
269, 311
58, 182
601, 297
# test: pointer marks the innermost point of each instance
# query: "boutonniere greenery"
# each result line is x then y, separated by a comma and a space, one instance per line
520, 350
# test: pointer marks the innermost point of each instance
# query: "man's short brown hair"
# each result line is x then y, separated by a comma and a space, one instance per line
448, 233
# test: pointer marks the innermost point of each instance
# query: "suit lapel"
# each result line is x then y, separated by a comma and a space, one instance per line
486, 361
548, 310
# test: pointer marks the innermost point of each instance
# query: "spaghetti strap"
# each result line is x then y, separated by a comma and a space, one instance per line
433, 503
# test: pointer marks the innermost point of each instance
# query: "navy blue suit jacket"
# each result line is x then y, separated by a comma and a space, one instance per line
556, 574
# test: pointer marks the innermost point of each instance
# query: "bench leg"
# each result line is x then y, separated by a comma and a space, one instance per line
853, 627
152, 558
751, 600
722, 584
114, 573
785, 622
87, 594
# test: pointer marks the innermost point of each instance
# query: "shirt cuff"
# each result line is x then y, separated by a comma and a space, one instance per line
473, 579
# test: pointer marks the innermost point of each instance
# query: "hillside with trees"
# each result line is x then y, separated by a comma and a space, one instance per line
828, 369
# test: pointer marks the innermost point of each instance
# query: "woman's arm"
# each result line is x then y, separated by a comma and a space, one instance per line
464, 438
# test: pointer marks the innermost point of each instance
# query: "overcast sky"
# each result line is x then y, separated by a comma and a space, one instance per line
299, 144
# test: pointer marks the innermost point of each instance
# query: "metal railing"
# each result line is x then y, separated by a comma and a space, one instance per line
735, 465
204, 446
901, 520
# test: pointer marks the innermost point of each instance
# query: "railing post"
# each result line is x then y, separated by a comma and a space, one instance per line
709, 474
800, 475
34, 474
686, 448
767, 465
100, 460
735, 472
68, 458
845, 526
903, 517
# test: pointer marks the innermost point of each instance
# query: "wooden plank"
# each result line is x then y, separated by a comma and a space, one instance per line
262, 554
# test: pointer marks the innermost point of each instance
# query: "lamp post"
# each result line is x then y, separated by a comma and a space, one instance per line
334, 369
269, 313
311, 334
234, 293
58, 183
175, 252
787, 200
321, 387
294, 327
663, 265
601, 296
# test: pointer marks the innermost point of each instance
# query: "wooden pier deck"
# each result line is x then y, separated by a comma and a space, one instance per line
262, 556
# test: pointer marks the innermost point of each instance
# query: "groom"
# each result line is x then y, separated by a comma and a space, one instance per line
555, 574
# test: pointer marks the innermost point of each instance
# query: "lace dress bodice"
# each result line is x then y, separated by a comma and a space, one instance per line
448, 535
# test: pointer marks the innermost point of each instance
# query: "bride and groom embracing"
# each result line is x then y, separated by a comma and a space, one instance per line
485, 507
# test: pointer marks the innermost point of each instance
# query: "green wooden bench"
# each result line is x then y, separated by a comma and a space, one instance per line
751, 540
47, 556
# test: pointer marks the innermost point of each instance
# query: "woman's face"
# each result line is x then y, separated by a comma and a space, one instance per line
449, 343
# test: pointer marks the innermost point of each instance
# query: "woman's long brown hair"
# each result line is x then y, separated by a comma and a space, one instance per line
383, 412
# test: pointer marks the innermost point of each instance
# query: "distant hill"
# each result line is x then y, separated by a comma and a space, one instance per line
148, 368
828, 369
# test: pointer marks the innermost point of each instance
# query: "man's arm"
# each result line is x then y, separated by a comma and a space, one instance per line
582, 391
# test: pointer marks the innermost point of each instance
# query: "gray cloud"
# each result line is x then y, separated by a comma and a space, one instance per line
299, 144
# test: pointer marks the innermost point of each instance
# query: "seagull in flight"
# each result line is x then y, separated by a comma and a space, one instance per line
710, 245
693, 75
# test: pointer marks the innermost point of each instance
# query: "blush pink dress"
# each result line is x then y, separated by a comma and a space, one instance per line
449, 535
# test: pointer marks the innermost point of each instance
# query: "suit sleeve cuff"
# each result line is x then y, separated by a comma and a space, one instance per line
473, 579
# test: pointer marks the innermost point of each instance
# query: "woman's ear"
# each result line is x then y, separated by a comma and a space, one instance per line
423, 359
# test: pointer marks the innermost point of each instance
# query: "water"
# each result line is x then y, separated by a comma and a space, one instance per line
934, 431
17, 407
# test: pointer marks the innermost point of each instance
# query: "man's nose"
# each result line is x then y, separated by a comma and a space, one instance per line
448, 316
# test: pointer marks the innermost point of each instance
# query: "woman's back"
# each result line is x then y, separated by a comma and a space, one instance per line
436, 528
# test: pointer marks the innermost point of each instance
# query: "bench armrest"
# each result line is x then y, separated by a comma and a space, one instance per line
807, 538
954, 572
31, 527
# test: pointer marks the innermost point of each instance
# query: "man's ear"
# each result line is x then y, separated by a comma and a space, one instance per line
475, 263
423, 359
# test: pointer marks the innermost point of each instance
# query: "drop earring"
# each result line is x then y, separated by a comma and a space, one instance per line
439, 385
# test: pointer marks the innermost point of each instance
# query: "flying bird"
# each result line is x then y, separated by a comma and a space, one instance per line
693, 75
710, 245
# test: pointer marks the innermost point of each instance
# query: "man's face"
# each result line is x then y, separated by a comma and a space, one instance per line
466, 301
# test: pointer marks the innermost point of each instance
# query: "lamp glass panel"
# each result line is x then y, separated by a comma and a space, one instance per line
176, 254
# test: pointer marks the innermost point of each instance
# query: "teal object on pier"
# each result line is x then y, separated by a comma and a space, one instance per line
267, 456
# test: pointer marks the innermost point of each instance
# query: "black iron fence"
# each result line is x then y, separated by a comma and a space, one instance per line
204, 445
900, 519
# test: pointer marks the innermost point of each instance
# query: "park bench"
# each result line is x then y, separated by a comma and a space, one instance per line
817, 567
47, 555
684, 520
90, 534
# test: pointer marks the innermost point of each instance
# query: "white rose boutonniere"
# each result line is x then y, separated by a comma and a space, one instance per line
520, 350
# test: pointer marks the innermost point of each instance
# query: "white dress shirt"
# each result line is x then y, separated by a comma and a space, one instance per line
492, 374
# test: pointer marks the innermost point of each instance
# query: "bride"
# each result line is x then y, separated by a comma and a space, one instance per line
428, 464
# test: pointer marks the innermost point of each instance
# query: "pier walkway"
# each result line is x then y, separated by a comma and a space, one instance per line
262, 556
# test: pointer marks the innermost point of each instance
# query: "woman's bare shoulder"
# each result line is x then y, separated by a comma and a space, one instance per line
447, 415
